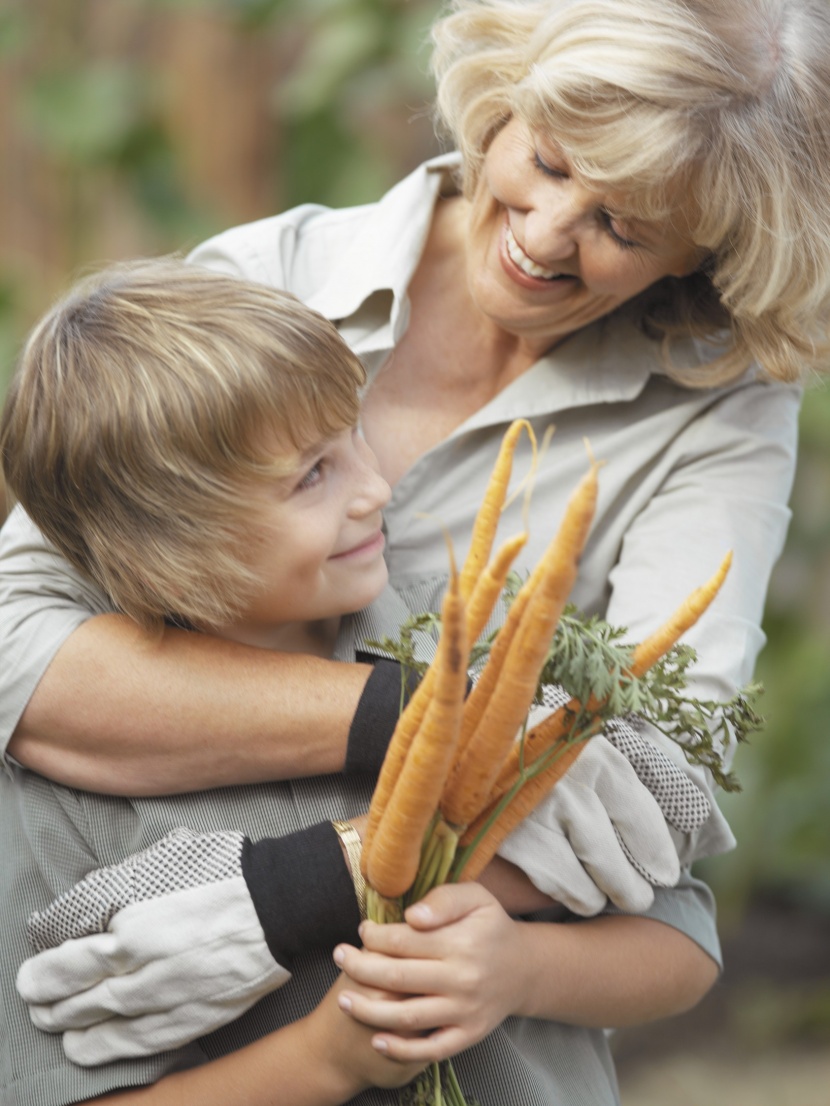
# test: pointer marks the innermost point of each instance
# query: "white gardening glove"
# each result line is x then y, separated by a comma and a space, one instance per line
603, 831
174, 949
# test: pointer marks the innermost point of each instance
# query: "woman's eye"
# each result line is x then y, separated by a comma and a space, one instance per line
544, 167
617, 237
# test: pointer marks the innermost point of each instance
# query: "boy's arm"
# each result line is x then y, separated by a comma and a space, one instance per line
468, 966
324, 1059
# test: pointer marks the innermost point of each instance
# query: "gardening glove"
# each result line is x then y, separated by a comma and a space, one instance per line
604, 832
180, 939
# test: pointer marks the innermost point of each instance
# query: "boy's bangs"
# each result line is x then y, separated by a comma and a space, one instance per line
311, 414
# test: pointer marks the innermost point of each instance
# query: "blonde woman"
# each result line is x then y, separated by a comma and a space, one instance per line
632, 243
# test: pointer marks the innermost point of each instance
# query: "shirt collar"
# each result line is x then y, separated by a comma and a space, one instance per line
395, 230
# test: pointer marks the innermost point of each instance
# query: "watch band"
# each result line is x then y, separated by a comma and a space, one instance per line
353, 845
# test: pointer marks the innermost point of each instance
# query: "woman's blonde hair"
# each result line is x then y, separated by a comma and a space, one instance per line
141, 419
726, 102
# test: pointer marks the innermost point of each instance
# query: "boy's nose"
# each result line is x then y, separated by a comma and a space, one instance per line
377, 492
373, 492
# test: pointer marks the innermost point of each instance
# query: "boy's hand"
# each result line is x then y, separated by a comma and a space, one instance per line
345, 1046
458, 956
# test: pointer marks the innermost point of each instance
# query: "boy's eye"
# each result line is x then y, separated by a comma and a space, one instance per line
312, 477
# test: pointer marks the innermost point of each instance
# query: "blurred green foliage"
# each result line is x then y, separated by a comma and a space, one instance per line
346, 112
780, 817
87, 126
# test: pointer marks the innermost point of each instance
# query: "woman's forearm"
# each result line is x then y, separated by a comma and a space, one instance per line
125, 713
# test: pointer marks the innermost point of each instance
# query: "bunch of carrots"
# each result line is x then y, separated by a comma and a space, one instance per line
462, 771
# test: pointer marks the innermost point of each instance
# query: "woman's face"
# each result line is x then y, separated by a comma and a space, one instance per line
545, 254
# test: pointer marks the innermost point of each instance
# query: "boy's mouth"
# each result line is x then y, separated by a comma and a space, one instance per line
370, 546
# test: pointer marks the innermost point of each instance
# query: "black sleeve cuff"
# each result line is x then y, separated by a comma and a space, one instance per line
302, 891
376, 715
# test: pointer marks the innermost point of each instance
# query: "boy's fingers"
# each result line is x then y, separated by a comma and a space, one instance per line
403, 1018
440, 1045
401, 940
407, 975
447, 904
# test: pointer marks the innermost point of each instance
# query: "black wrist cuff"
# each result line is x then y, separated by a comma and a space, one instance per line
302, 891
377, 714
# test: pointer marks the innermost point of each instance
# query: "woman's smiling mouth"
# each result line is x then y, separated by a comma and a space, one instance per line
526, 264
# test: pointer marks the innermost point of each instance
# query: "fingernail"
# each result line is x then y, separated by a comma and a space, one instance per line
380, 1044
339, 955
420, 911
344, 1002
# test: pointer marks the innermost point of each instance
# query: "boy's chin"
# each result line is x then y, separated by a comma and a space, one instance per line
370, 591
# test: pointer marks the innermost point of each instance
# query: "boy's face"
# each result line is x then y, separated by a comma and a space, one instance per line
317, 544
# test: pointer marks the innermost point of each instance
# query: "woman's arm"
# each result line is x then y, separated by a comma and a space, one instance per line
468, 966
90, 700
219, 713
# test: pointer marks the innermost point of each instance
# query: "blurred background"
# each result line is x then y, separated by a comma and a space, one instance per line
138, 127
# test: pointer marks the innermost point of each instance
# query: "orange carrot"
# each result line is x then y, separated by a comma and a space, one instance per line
478, 766
646, 654
657, 644
479, 697
489, 586
392, 860
404, 734
526, 799
537, 741
489, 513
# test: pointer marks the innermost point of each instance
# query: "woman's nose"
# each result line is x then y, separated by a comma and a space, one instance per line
552, 228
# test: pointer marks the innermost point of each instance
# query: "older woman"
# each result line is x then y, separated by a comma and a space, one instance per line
632, 243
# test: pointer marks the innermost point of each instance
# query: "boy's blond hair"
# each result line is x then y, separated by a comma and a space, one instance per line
134, 431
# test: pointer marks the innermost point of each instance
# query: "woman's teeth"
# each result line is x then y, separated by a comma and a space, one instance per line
527, 264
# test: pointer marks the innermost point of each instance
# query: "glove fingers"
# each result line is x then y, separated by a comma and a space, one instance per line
130, 1038
633, 812
144, 932
120, 1037
547, 858
213, 974
205, 945
596, 843
53, 975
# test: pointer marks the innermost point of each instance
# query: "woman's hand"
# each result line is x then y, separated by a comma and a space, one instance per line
459, 959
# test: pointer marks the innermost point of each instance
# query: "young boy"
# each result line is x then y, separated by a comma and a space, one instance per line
188, 442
